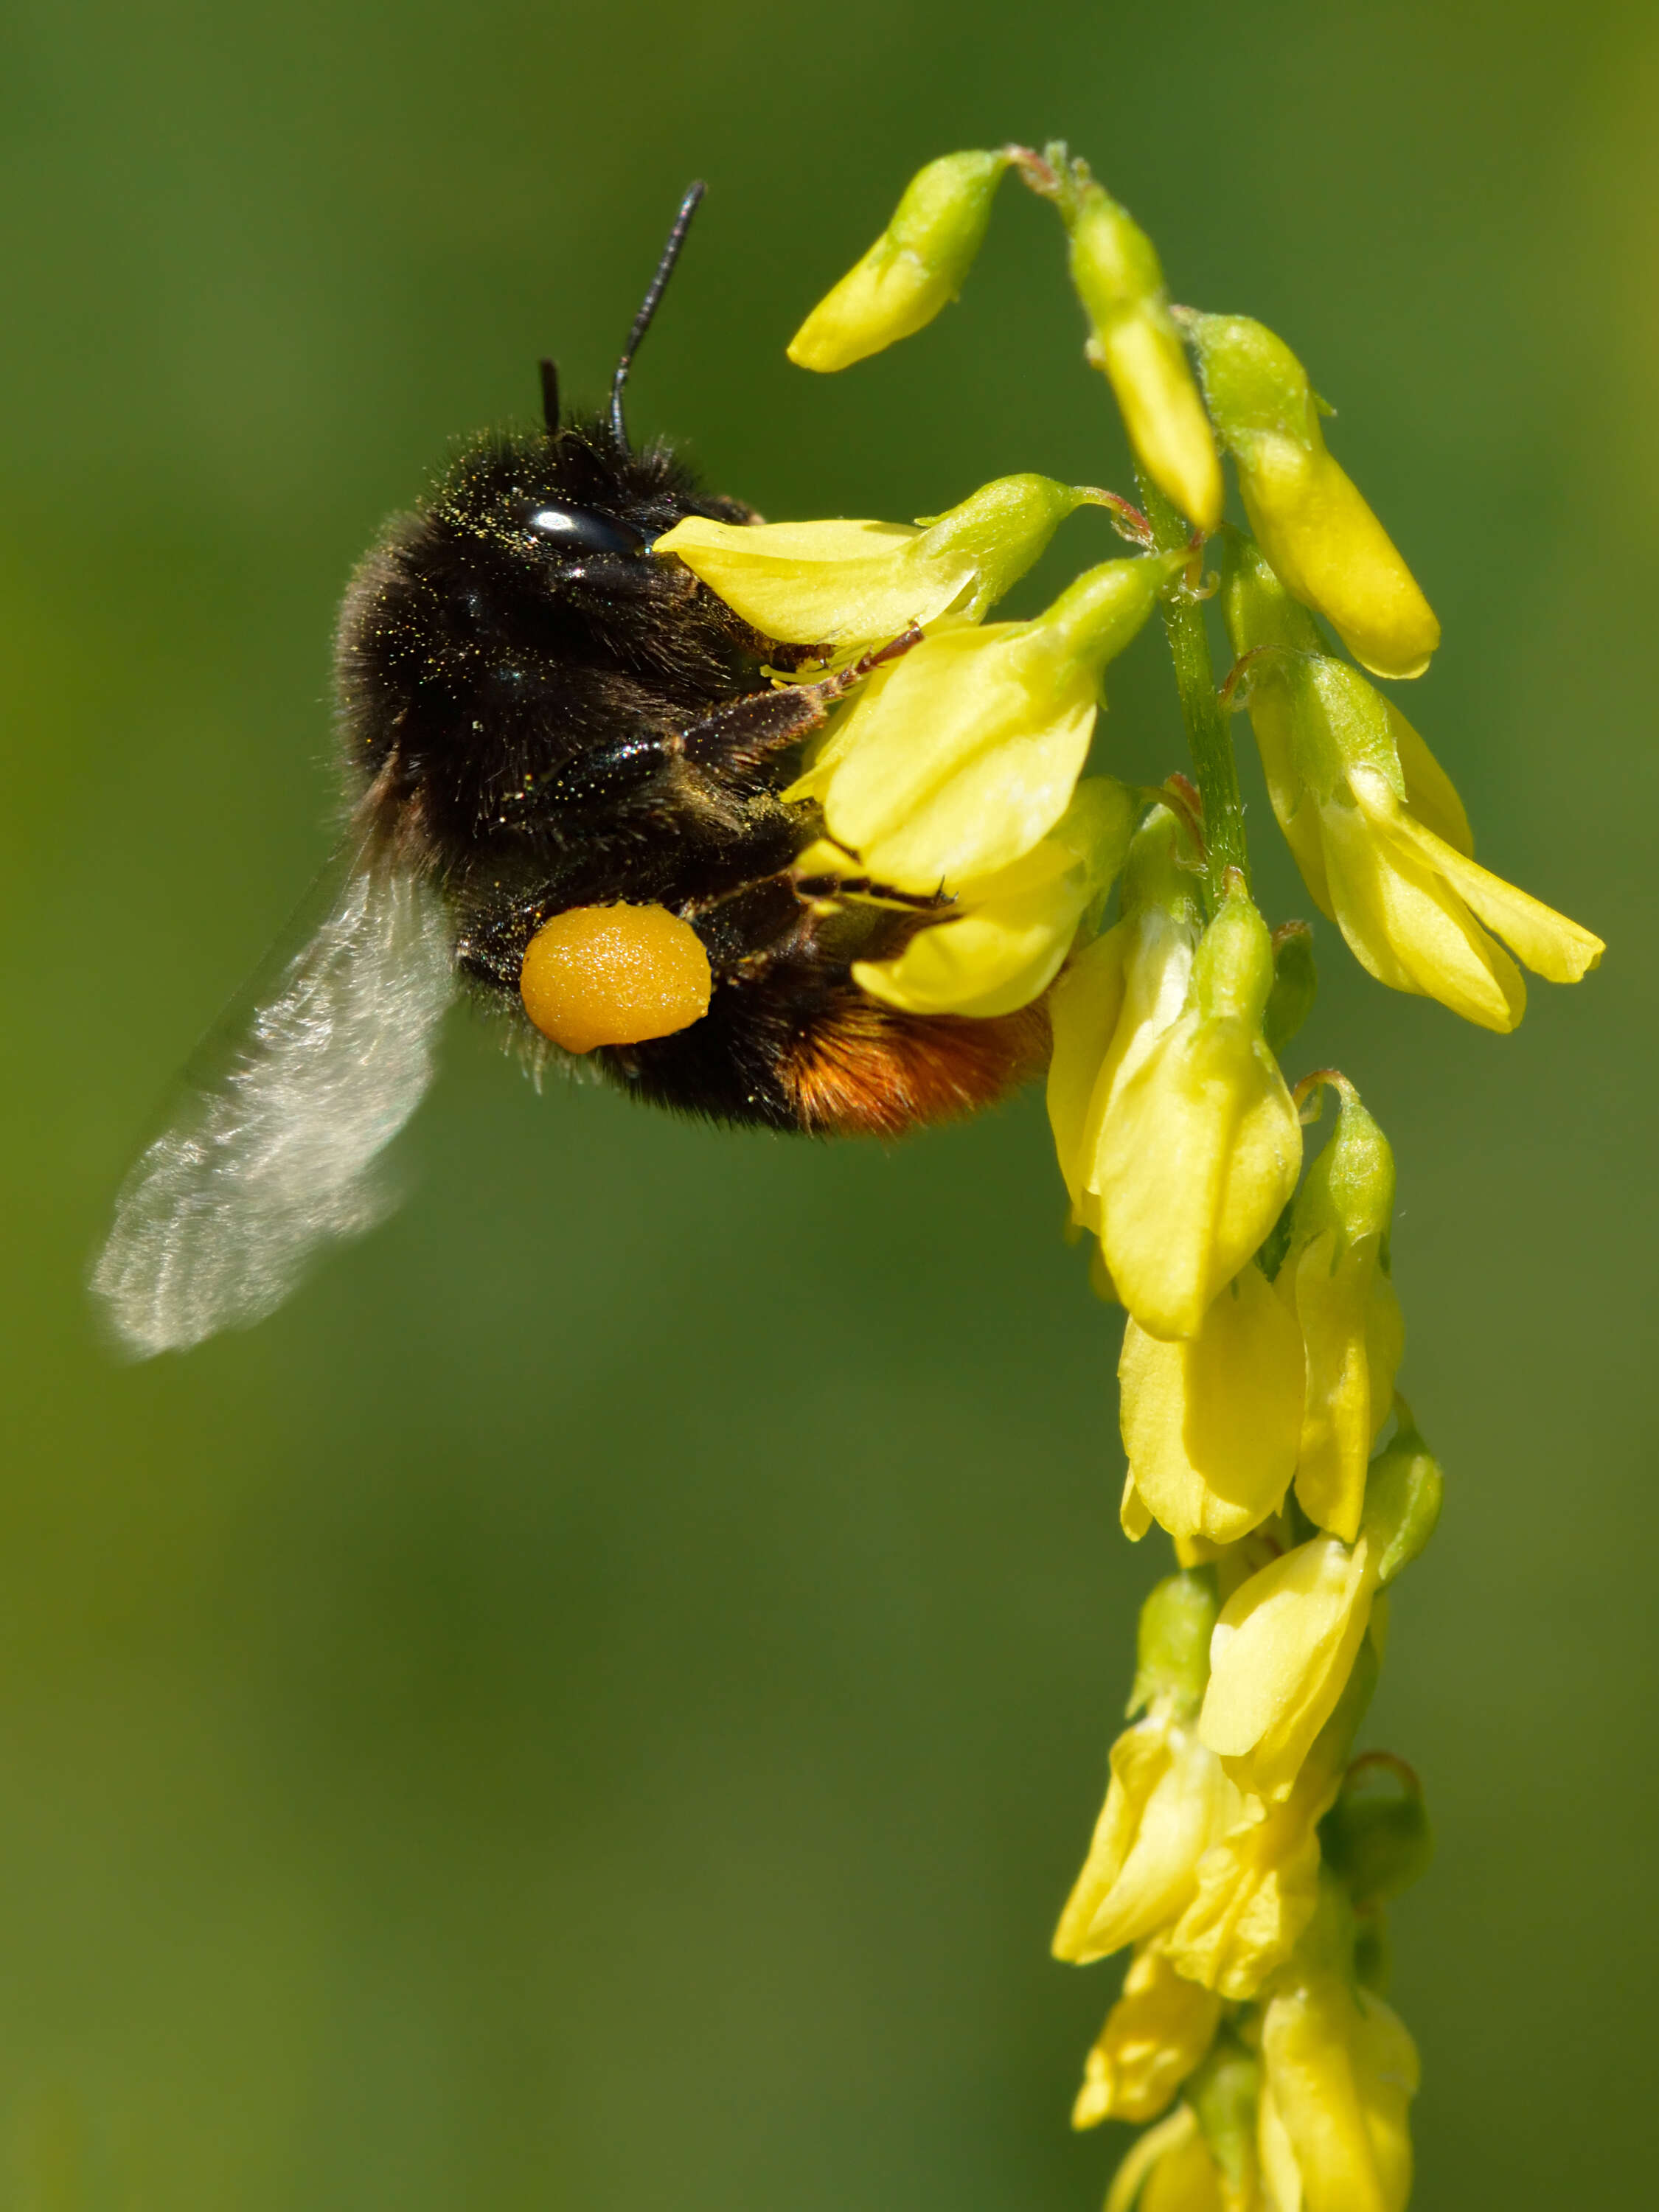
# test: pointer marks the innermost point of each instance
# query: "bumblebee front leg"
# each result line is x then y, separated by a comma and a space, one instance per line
741, 737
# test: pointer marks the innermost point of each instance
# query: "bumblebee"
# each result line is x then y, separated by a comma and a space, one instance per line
547, 731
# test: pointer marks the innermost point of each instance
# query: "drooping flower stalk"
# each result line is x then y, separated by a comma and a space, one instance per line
1244, 1855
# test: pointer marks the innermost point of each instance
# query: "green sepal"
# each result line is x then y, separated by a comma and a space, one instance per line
1376, 1838
1404, 1486
1296, 985
1225, 2095
1172, 1641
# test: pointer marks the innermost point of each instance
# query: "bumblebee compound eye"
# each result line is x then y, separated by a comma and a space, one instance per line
614, 974
578, 529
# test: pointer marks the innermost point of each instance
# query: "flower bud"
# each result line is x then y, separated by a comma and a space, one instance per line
1339, 2073
1116, 999
1200, 1145
953, 762
1403, 1493
1313, 526
1376, 1838
1283, 1650
1168, 1802
1211, 1422
917, 265
1014, 929
1377, 828
1116, 270
841, 583
1172, 1644
1334, 1278
1155, 2034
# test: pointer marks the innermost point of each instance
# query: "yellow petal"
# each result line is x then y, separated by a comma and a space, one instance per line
1210, 1423
1083, 1015
1168, 2144
810, 583
1143, 359
1155, 2034
1167, 1803
1550, 944
1430, 791
1279, 1659
1350, 1374
1016, 926
1114, 267
953, 763
1255, 1892
1405, 923
1272, 721
1320, 535
1340, 2072
1322, 538
1198, 1152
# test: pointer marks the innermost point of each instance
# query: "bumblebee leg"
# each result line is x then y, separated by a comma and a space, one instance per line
745, 733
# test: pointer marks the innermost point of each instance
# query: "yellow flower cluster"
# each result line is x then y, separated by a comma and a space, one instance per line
1244, 1855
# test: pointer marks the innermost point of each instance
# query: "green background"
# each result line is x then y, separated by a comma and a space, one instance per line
598, 1703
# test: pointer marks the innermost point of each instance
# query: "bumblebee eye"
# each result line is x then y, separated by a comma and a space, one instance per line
581, 531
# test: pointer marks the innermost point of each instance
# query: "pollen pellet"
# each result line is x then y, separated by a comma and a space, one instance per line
614, 974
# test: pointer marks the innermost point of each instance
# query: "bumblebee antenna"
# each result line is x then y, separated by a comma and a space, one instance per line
550, 397
671, 254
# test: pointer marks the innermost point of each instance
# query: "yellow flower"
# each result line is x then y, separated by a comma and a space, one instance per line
1198, 1146
1322, 539
1005, 946
1258, 1889
1334, 1278
1167, 1803
844, 584
1170, 2170
1339, 2072
1211, 1422
954, 762
1378, 830
1115, 270
1280, 1658
1288, 1638
1118, 995
1169, 1799
915, 266
1155, 2034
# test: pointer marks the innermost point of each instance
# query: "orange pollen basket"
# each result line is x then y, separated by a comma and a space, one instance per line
614, 974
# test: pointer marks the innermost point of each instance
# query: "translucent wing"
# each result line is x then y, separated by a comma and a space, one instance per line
277, 1150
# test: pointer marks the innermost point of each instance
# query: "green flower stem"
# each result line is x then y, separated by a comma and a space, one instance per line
1208, 731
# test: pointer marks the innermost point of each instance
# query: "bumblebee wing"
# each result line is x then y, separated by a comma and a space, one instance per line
275, 1148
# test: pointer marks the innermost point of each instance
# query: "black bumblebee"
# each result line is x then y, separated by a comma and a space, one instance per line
538, 714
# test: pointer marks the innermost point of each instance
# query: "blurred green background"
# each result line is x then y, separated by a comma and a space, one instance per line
598, 1703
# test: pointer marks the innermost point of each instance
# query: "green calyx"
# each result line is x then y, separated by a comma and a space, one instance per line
1233, 967
1349, 1190
1376, 1838
1296, 985
1225, 2094
1255, 606
942, 217
1404, 1486
1153, 877
1254, 384
1172, 1643
1001, 530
